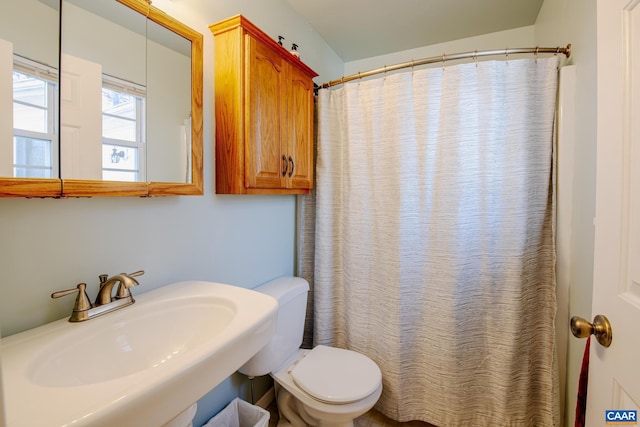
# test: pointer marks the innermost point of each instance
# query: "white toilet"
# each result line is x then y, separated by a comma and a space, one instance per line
325, 386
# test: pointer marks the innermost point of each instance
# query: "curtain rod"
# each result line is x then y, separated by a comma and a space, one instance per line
444, 57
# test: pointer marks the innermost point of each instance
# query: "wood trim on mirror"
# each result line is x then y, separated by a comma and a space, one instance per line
30, 187
88, 188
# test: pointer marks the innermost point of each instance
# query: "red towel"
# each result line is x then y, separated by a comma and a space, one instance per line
581, 405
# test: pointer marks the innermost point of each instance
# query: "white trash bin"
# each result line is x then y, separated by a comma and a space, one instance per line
239, 413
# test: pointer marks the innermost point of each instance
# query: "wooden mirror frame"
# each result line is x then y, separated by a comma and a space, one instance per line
55, 187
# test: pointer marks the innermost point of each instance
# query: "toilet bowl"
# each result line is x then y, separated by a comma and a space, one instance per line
324, 386
331, 386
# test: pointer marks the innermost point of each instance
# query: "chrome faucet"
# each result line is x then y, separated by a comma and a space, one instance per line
105, 302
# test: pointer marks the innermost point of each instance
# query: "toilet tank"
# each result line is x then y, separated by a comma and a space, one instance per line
291, 294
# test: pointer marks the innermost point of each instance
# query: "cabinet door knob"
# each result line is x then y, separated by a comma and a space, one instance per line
285, 165
293, 165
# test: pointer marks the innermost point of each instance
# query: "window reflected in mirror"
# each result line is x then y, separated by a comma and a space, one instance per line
35, 113
123, 131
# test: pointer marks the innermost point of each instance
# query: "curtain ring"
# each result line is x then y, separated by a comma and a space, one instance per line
443, 60
557, 50
475, 57
536, 53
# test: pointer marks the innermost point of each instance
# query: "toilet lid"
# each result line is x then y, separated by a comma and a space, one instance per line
334, 375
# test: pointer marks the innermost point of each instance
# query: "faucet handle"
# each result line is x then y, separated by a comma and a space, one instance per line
82, 304
123, 289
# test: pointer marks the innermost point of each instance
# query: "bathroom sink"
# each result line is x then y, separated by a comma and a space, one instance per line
141, 365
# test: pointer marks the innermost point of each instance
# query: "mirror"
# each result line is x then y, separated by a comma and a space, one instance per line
29, 97
168, 105
185, 175
188, 127
128, 117
130, 102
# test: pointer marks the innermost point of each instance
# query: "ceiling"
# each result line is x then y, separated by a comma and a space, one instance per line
358, 29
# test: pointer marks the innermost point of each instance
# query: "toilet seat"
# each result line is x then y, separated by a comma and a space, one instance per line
336, 376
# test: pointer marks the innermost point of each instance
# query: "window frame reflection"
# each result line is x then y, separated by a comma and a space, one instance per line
35, 146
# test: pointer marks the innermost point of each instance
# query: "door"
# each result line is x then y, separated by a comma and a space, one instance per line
300, 152
266, 162
80, 119
614, 372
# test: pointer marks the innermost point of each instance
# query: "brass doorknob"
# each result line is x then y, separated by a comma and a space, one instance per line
601, 328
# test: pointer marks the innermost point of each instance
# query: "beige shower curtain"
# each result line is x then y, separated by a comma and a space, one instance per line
434, 251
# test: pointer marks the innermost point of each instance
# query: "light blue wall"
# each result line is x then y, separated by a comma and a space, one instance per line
48, 245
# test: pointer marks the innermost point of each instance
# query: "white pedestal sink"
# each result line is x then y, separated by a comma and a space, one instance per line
138, 366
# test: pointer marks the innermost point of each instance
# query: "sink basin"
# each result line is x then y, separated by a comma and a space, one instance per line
135, 341
141, 365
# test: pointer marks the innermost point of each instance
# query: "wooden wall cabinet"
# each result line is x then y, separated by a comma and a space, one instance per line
264, 113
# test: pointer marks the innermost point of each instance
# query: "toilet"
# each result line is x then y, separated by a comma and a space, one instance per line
325, 386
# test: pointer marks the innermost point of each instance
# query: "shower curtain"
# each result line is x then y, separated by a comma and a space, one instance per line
434, 247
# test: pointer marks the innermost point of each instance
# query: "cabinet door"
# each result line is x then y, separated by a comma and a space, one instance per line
300, 151
266, 110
